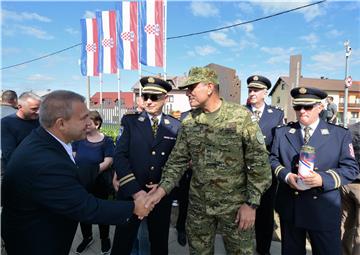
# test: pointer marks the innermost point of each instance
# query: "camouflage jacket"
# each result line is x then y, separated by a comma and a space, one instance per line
229, 160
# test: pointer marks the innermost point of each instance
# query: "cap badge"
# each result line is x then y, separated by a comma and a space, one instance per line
151, 80
255, 78
302, 90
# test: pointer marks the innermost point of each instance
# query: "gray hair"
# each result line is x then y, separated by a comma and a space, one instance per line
9, 96
26, 95
58, 104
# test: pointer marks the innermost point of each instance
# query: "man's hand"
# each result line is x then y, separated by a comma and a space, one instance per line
140, 210
291, 180
154, 197
314, 180
138, 194
245, 217
116, 182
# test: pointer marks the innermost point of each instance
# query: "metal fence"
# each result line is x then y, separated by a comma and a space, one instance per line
111, 115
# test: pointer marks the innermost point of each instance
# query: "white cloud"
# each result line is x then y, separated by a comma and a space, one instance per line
36, 32
89, 15
10, 51
245, 7
203, 9
279, 55
309, 13
310, 38
222, 39
71, 31
334, 33
39, 77
23, 16
205, 50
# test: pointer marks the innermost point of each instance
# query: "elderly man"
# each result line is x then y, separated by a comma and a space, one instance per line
230, 168
309, 203
43, 200
143, 147
269, 118
15, 127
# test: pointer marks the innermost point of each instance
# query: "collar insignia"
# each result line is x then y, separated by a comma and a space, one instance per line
141, 118
292, 131
324, 131
166, 121
270, 111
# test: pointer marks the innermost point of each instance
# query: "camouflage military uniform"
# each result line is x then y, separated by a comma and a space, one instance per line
219, 145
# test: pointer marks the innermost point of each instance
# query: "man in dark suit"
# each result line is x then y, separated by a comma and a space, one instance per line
145, 143
269, 118
43, 200
315, 207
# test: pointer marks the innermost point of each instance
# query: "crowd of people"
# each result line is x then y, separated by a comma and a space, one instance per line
229, 166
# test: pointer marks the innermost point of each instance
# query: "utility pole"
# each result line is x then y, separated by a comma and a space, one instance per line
347, 55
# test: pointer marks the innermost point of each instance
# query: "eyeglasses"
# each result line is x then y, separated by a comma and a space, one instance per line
152, 97
305, 107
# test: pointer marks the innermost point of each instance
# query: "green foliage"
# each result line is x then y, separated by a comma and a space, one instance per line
110, 130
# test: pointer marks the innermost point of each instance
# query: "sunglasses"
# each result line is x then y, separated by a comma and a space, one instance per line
305, 107
152, 97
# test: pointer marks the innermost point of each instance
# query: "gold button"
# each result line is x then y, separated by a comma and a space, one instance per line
315, 197
153, 152
152, 168
296, 193
163, 153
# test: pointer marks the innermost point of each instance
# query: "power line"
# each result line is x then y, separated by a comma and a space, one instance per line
178, 36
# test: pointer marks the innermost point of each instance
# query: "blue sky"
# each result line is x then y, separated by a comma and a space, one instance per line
33, 29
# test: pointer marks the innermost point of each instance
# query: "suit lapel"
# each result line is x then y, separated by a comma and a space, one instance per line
320, 136
262, 121
144, 124
164, 124
295, 137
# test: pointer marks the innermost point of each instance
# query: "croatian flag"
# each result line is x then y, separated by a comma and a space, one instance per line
127, 36
107, 38
152, 33
89, 47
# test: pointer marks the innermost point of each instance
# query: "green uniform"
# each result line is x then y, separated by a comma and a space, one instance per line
230, 167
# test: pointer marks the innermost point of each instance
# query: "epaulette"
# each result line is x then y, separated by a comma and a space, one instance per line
171, 117
338, 125
276, 107
131, 113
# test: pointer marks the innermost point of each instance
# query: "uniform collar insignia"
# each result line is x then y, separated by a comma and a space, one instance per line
166, 121
270, 111
141, 118
324, 131
292, 131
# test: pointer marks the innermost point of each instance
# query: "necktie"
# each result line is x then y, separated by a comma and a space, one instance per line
307, 134
155, 125
257, 115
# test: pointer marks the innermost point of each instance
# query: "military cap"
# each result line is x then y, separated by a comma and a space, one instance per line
154, 85
307, 96
258, 81
200, 74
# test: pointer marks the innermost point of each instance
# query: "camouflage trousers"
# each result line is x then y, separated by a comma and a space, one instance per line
202, 228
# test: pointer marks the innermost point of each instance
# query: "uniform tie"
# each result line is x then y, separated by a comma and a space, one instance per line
155, 125
257, 115
307, 134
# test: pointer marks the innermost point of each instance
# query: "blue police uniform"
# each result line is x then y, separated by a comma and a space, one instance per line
315, 211
271, 117
139, 159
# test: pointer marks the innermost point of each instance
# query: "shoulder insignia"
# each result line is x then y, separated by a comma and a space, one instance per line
131, 113
141, 118
324, 131
260, 137
337, 125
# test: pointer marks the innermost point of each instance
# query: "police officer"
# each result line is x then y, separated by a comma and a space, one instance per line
220, 138
316, 210
269, 118
143, 148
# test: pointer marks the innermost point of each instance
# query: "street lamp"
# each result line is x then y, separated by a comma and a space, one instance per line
347, 55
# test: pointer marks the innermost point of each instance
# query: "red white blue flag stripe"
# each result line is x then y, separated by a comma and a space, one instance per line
107, 38
152, 33
89, 47
127, 36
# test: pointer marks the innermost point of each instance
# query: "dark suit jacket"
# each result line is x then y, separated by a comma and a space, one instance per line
139, 157
316, 208
43, 200
270, 119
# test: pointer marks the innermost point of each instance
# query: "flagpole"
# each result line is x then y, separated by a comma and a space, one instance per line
119, 94
165, 34
88, 92
101, 103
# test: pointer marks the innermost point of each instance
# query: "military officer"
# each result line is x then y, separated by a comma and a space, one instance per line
220, 138
316, 210
145, 143
269, 118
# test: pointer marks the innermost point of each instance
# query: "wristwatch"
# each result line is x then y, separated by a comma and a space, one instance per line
253, 206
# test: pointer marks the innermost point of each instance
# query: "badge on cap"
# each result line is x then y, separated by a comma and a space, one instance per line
324, 131
302, 90
292, 131
141, 118
151, 80
256, 78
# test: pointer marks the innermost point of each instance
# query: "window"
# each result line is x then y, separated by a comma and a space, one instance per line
278, 100
283, 86
170, 99
341, 100
354, 115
